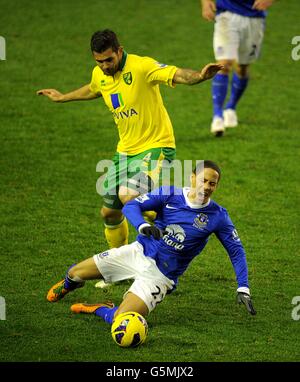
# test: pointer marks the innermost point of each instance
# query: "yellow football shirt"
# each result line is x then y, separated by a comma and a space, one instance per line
133, 97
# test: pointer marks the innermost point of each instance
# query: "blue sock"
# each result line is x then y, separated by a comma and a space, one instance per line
106, 313
219, 91
69, 283
238, 86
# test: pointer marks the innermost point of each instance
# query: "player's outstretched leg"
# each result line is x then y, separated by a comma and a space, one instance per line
230, 118
219, 91
238, 86
105, 310
75, 278
60, 289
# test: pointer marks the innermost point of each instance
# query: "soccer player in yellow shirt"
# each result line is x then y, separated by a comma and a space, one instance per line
129, 85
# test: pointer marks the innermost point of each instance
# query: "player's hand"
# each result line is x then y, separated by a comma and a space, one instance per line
210, 70
152, 231
208, 10
262, 5
53, 94
244, 298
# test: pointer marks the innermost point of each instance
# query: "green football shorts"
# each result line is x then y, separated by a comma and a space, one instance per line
140, 172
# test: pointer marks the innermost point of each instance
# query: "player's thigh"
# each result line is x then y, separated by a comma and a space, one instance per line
228, 66
86, 270
109, 187
121, 263
226, 37
110, 215
141, 170
126, 194
145, 169
251, 40
150, 290
242, 70
150, 284
132, 303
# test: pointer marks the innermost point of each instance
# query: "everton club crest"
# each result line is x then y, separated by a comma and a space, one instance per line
201, 221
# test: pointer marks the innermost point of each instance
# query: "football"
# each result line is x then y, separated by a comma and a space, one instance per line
129, 329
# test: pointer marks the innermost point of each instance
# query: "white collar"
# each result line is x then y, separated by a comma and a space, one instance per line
186, 190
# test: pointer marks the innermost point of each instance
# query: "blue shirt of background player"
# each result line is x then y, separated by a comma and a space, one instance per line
188, 230
241, 7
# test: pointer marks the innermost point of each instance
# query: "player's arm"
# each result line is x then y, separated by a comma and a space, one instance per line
229, 238
82, 94
208, 9
193, 77
262, 5
133, 210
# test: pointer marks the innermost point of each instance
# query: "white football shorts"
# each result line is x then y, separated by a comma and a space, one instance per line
129, 262
238, 37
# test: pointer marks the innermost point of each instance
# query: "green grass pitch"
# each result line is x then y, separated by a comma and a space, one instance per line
50, 208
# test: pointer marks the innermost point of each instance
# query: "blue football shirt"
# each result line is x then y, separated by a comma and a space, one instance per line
241, 7
187, 230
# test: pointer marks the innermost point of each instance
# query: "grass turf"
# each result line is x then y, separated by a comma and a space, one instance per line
50, 208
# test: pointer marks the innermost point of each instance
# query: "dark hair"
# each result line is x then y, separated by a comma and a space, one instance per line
207, 164
103, 40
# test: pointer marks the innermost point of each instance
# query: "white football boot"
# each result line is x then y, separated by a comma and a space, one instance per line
217, 126
230, 118
102, 284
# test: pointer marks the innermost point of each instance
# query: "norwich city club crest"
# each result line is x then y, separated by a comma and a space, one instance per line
127, 78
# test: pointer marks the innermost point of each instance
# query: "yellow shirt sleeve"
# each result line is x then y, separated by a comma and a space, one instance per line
95, 81
158, 73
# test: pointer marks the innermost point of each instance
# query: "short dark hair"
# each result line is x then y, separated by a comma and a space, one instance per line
207, 164
103, 40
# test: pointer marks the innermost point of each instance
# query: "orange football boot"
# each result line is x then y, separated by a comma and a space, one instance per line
57, 292
90, 308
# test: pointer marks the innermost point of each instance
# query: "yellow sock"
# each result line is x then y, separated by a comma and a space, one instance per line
117, 235
149, 216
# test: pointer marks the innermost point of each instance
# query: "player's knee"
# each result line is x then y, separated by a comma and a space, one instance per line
78, 272
144, 311
134, 303
85, 270
228, 64
74, 271
111, 216
126, 198
242, 71
126, 194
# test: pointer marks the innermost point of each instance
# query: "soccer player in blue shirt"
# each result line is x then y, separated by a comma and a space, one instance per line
238, 35
186, 217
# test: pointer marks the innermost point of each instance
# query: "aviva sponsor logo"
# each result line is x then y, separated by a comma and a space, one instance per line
124, 114
116, 100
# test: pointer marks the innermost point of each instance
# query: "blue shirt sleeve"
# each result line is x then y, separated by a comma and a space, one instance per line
153, 201
228, 236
